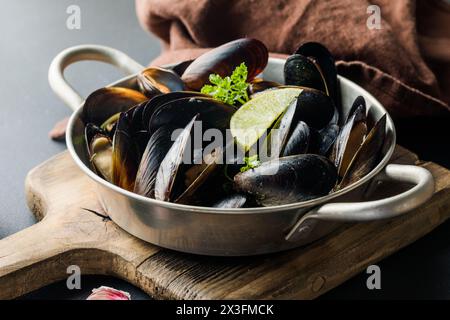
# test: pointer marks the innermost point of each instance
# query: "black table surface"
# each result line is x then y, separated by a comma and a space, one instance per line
32, 33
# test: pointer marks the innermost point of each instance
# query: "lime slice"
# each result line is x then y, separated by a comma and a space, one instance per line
252, 120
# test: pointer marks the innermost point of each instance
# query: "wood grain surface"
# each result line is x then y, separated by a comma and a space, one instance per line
74, 231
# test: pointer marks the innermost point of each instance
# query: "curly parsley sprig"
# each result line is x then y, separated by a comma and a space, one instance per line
231, 89
250, 163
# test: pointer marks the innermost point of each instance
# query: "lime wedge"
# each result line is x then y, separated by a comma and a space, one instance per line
252, 120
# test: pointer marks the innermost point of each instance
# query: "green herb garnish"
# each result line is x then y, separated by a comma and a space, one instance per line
230, 90
250, 163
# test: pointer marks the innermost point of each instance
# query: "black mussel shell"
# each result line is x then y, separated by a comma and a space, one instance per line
198, 174
299, 140
315, 108
224, 59
367, 156
169, 169
180, 67
360, 103
232, 201
259, 85
349, 140
155, 103
288, 180
154, 81
323, 140
279, 133
325, 60
304, 72
126, 154
107, 102
157, 148
211, 113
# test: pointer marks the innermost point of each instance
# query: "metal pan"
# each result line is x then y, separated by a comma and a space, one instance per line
236, 232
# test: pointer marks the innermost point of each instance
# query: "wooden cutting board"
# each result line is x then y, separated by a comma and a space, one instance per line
73, 231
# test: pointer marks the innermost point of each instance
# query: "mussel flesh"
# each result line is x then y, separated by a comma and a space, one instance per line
99, 146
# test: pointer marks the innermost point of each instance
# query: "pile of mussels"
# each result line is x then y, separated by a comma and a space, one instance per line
129, 132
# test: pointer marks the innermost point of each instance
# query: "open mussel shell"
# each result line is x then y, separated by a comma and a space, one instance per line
126, 154
224, 59
322, 58
211, 113
291, 132
99, 147
155, 103
104, 103
358, 103
180, 67
288, 179
349, 140
277, 137
169, 169
259, 85
154, 81
198, 175
367, 156
157, 148
232, 201
304, 72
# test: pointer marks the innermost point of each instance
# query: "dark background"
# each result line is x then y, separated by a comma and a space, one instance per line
31, 34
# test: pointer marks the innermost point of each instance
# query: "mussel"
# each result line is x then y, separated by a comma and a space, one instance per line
312, 65
179, 176
99, 146
212, 113
158, 146
170, 167
297, 129
259, 85
349, 140
126, 154
154, 81
104, 103
288, 179
367, 156
224, 59
299, 140
155, 103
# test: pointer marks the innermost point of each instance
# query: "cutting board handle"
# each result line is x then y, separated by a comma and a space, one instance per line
29, 259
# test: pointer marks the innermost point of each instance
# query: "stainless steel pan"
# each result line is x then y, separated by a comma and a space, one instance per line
235, 232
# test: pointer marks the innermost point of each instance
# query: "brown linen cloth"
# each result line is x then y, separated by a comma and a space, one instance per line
387, 62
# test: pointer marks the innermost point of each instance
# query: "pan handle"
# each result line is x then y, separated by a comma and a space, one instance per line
372, 210
71, 55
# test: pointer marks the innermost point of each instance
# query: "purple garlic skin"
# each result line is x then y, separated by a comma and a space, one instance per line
107, 293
